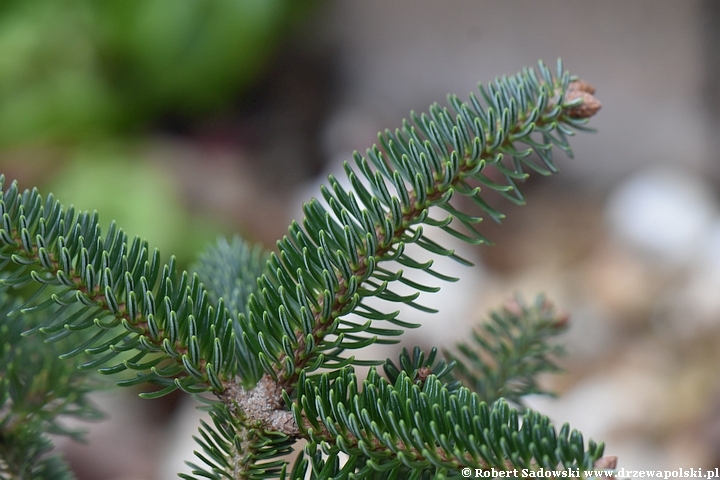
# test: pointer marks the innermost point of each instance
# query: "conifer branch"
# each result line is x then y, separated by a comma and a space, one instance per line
37, 391
259, 346
510, 350
324, 271
427, 427
236, 446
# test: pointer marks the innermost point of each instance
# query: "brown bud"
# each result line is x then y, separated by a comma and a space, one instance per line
423, 373
589, 106
581, 85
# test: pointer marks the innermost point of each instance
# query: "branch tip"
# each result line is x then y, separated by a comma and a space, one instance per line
589, 106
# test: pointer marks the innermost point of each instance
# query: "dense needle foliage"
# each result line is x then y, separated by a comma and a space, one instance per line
270, 338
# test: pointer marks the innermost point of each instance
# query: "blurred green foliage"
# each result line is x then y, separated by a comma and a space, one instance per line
92, 76
78, 69
139, 196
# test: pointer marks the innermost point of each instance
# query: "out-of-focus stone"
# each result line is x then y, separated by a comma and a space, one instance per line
662, 213
624, 284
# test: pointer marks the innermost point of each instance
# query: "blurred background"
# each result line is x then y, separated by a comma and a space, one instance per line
188, 120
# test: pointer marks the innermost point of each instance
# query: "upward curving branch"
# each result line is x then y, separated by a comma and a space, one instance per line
330, 266
263, 359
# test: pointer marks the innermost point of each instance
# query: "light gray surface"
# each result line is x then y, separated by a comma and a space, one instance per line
644, 57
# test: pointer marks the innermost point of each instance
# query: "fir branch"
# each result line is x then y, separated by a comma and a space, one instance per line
428, 428
37, 391
325, 271
263, 363
237, 447
510, 350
